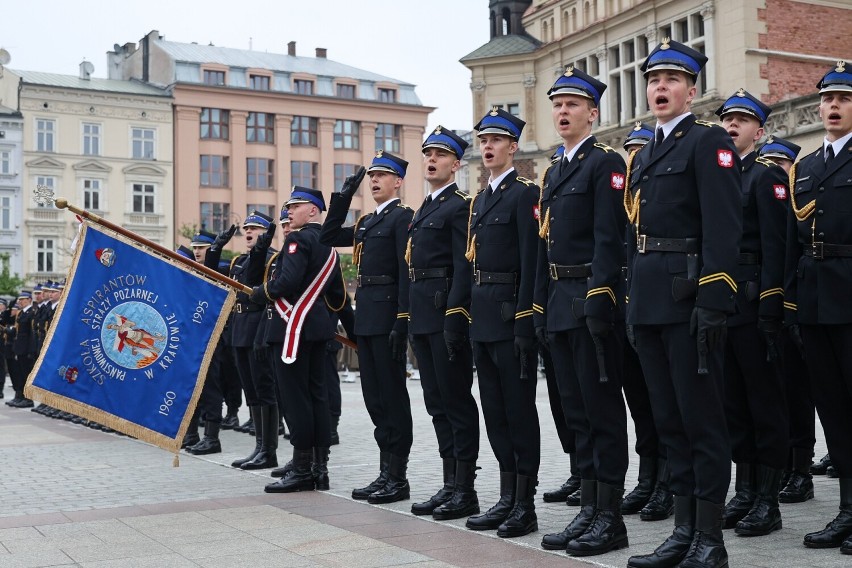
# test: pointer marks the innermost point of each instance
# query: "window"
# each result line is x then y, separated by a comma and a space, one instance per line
303, 87
346, 91
5, 162
214, 78
5, 213
347, 134
214, 171
304, 173
387, 95
303, 131
214, 123
45, 135
143, 143
261, 208
143, 197
260, 127
259, 173
91, 139
351, 216
387, 137
343, 171
215, 216
259, 82
45, 252
512, 108
92, 194
46, 181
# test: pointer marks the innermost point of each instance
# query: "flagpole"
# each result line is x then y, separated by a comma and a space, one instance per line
63, 204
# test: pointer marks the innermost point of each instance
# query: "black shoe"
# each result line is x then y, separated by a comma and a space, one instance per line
708, 546
396, 488
838, 530
581, 522
522, 520
764, 516
575, 498
464, 501
799, 487
743, 500
268, 427
244, 427
677, 545
607, 531
636, 500
230, 421
282, 471
492, 518
319, 469
25, 403
821, 466
830, 471
443, 495
362, 493
561, 494
210, 443
301, 478
190, 440
846, 547
258, 445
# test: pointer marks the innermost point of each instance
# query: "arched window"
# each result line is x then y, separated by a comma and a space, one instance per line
574, 19
505, 24
564, 23
544, 30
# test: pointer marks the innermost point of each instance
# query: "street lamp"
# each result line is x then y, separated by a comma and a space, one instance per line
238, 223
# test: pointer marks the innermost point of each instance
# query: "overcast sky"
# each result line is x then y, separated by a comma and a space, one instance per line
412, 41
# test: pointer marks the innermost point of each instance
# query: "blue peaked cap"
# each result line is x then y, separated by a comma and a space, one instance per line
779, 148
577, 82
203, 239
306, 195
676, 57
257, 219
838, 79
387, 162
498, 121
744, 102
446, 140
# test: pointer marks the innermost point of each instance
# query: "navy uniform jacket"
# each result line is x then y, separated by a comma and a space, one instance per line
764, 206
25, 340
583, 224
379, 250
504, 239
438, 241
817, 291
690, 188
299, 262
248, 269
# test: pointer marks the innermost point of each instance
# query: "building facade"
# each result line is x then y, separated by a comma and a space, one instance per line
250, 125
11, 147
103, 145
775, 49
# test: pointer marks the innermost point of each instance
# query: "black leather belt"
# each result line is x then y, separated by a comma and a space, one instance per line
558, 271
646, 243
820, 250
480, 277
378, 280
748, 258
423, 273
245, 308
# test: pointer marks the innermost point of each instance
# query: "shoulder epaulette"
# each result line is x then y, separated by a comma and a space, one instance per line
603, 147
555, 160
525, 181
462, 194
765, 161
233, 261
706, 123
404, 206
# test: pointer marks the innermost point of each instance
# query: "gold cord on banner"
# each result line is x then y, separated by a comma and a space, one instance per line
806, 211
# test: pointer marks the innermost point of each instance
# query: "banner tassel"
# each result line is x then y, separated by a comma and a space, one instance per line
176, 461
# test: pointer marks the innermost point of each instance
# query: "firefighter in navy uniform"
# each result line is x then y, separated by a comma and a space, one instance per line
305, 282
381, 315
685, 207
24, 348
755, 401
5, 320
580, 257
440, 322
818, 277
502, 247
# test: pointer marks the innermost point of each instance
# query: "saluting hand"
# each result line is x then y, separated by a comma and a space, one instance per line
264, 241
223, 238
350, 185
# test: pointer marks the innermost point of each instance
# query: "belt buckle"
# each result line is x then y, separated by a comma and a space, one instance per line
268, 313
411, 274
476, 277
239, 308
358, 280
554, 272
816, 250
641, 241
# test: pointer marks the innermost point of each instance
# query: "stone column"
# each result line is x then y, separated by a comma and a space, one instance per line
707, 11
529, 82
603, 76
479, 103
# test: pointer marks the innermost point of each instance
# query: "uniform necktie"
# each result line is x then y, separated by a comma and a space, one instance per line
829, 155
563, 166
428, 200
658, 139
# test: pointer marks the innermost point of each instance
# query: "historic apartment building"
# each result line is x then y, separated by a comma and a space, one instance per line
11, 145
101, 144
249, 125
775, 49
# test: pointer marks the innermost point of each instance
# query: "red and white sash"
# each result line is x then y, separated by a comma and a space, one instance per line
294, 314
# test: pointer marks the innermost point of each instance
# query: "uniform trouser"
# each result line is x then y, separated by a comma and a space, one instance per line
2, 373
799, 401
828, 351
594, 410
385, 393
563, 432
210, 403
332, 378
688, 409
255, 376
232, 390
14, 371
639, 404
508, 405
303, 386
25, 366
447, 394
755, 401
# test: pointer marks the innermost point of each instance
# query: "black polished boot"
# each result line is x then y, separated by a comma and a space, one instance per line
443, 495
396, 488
230, 421
570, 486
800, 484
335, 437
820, 467
708, 546
258, 440
464, 501
492, 518
840, 529
846, 547
282, 471
660, 505
362, 493
210, 443
676, 546
268, 427
764, 516
191, 437
319, 469
301, 478
560, 540
742, 501
244, 427
636, 500
607, 531
522, 520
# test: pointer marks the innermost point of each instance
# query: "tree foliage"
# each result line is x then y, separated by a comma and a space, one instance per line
9, 284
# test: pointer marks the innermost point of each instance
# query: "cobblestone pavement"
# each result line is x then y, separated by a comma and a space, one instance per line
71, 496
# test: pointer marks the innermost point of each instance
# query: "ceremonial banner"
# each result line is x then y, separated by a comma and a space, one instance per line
131, 340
